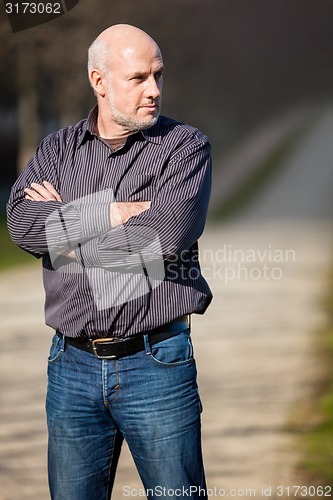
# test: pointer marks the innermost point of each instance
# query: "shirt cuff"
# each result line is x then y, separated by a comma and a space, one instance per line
95, 219
91, 253
88, 254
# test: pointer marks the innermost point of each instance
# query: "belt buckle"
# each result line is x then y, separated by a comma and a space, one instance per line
105, 342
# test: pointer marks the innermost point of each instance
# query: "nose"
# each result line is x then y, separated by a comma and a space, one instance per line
154, 88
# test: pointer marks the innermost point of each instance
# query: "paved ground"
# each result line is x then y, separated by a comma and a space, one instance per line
268, 275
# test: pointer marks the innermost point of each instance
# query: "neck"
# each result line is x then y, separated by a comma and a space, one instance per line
109, 130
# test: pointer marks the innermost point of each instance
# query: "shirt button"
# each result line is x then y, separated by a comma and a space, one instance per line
99, 296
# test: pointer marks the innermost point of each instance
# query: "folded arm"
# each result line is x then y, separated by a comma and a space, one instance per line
101, 232
38, 219
118, 214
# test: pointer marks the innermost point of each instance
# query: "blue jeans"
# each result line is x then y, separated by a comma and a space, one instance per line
150, 399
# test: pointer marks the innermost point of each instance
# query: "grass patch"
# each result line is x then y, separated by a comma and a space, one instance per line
11, 255
317, 442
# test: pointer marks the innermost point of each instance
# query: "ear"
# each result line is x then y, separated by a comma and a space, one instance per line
98, 82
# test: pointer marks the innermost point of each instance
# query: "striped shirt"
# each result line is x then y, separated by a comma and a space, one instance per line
125, 279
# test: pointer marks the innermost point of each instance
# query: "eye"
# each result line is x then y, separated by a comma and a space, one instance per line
138, 78
158, 75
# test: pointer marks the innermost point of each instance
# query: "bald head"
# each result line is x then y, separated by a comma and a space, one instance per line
117, 42
126, 73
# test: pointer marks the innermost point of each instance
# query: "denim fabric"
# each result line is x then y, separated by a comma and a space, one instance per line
150, 399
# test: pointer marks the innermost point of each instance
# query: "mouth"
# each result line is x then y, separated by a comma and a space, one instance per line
150, 107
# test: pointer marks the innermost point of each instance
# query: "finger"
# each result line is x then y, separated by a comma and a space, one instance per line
46, 195
34, 196
51, 189
27, 197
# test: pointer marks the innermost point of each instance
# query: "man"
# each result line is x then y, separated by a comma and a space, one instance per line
114, 206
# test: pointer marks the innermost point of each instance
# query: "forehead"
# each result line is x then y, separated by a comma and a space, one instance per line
137, 60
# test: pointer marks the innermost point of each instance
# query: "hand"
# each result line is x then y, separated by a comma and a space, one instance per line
120, 211
42, 192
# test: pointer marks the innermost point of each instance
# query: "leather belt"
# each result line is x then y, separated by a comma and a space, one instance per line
117, 347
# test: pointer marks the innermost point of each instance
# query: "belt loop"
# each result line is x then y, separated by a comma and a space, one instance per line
146, 343
62, 338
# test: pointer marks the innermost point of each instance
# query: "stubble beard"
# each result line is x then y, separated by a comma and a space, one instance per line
129, 123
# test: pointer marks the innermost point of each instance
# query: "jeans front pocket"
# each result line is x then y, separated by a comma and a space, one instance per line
174, 351
57, 348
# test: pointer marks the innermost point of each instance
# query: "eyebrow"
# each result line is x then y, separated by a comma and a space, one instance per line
160, 69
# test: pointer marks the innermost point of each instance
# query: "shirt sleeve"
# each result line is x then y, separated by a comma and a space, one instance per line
25, 218
53, 227
174, 221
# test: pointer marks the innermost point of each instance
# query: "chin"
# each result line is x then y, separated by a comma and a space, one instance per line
134, 124
147, 123
152, 121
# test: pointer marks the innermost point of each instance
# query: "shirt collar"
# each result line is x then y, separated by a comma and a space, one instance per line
152, 134
88, 126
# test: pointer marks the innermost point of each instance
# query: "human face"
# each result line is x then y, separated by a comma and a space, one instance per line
134, 88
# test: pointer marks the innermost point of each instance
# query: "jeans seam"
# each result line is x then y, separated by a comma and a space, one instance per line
104, 382
106, 401
108, 492
115, 389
